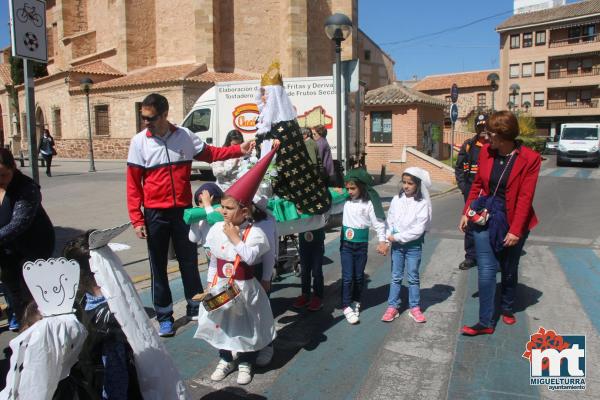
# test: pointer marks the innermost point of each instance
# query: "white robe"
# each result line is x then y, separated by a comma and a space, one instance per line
245, 323
43, 355
157, 374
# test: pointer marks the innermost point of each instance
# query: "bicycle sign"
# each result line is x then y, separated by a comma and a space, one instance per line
28, 29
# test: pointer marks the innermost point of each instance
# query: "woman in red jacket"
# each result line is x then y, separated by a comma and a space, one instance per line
504, 185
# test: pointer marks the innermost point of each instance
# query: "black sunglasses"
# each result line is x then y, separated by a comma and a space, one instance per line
150, 119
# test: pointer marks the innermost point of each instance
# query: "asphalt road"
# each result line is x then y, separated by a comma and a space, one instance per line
318, 355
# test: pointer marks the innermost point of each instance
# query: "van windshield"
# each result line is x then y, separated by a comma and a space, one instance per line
198, 121
579, 134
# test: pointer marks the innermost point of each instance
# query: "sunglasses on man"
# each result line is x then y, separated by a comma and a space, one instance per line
150, 119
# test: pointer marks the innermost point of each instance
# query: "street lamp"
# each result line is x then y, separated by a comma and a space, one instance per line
493, 79
514, 90
527, 104
86, 85
337, 28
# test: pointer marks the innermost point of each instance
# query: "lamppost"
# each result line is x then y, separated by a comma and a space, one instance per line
337, 28
527, 104
86, 85
514, 91
493, 79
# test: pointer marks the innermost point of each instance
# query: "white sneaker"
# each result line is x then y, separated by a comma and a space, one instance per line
350, 315
244, 374
357, 308
223, 369
265, 356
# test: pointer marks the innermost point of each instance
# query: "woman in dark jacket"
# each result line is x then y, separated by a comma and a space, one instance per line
26, 232
505, 183
47, 151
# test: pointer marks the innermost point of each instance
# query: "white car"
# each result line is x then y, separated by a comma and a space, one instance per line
579, 144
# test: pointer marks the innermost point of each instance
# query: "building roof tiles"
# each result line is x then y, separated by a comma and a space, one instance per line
462, 80
550, 15
398, 94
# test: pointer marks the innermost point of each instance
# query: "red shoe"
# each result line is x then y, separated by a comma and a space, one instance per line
300, 302
509, 319
476, 330
315, 304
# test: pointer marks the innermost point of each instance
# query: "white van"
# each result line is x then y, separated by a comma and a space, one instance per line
579, 143
232, 105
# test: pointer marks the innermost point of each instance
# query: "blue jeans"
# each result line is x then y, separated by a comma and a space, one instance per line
354, 261
409, 257
488, 264
311, 263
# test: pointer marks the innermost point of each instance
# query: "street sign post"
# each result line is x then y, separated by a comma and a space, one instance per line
29, 42
453, 118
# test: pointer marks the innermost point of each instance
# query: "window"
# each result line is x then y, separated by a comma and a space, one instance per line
540, 38
199, 121
588, 32
512, 99
514, 70
515, 41
572, 97
540, 68
574, 33
367, 55
138, 117
57, 128
587, 64
526, 98
586, 96
528, 39
101, 120
538, 99
572, 66
381, 127
526, 70
481, 103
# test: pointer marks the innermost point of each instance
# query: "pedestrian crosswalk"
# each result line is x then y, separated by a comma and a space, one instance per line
571, 172
318, 355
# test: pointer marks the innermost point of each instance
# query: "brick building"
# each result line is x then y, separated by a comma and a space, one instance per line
553, 55
132, 48
475, 94
403, 128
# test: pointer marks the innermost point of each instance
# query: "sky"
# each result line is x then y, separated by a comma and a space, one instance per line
404, 28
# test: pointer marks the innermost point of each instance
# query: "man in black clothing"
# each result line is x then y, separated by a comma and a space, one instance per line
465, 170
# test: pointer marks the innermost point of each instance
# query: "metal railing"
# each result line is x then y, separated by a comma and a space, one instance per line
564, 105
565, 73
574, 41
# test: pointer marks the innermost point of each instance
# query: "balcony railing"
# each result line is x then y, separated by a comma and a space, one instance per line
565, 73
567, 105
574, 41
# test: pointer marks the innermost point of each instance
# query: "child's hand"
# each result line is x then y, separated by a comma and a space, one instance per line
266, 285
206, 198
232, 232
391, 238
339, 190
382, 248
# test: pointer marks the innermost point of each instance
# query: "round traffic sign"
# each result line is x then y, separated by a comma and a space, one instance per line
453, 112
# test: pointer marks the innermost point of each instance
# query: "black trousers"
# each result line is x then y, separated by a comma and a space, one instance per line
470, 253
48, 159
162, 226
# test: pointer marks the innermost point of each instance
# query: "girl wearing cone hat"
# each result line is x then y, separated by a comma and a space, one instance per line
245, 323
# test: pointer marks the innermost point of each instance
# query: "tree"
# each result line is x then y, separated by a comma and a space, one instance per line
526, 124
18, 75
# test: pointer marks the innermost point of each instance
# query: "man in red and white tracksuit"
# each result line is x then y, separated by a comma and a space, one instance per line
158, 179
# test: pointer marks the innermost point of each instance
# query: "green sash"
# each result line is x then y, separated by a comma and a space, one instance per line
355, 235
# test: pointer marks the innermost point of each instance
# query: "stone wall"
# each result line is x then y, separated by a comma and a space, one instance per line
141, 33
104, 148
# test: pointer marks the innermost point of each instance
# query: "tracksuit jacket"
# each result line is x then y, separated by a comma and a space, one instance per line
158, 169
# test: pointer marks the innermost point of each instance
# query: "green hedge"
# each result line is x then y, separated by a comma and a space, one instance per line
535, 143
